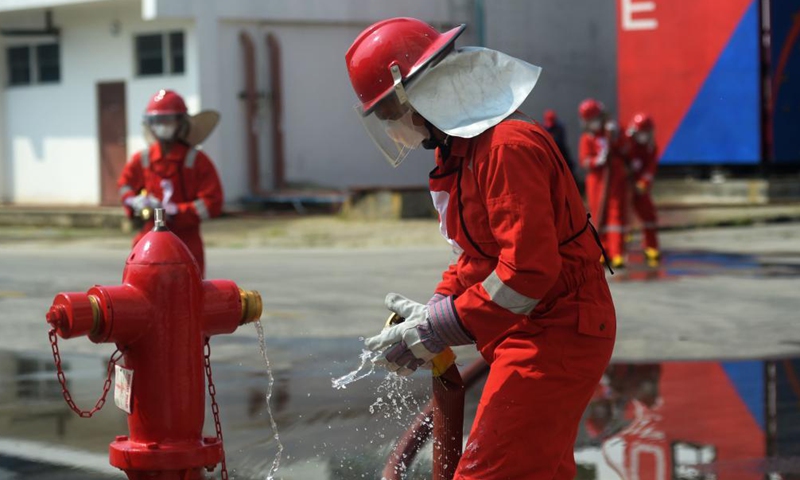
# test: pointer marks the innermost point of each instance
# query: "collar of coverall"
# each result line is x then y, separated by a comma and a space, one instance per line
459, 147
472, 90
176, 153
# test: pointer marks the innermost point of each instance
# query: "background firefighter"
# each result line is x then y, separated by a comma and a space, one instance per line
642, 152
172, 173
600, 153
528, 287
556, 129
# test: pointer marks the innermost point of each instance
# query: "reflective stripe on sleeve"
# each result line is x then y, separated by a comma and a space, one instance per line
124, 190
507, 297
144, 158
200, 208
191, 156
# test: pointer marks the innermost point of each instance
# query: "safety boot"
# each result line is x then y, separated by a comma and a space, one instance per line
653, 256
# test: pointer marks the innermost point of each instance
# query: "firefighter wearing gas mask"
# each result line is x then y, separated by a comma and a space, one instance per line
172, 173
600, 154
528, 288
643, 162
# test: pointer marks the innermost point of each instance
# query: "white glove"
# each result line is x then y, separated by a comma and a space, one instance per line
141, 202
426, 332
602, 158
613, 129
170, 208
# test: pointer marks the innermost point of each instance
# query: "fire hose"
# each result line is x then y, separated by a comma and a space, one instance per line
443, 417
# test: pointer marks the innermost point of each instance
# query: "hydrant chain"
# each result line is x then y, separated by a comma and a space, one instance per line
62, 378
212, 392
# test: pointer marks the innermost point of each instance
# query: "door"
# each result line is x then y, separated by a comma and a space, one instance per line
112, 133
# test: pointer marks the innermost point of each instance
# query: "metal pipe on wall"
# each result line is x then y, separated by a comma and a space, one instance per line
251, 97
276, 97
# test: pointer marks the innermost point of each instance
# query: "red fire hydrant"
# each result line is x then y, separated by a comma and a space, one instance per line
160, 318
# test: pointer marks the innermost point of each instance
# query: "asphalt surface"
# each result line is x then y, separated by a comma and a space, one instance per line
719, 294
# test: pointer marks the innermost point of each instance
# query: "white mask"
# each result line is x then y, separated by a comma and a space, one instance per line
405, 132
163, 131
642, 138
594, 125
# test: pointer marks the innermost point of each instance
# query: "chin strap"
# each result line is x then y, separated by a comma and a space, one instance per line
433, 142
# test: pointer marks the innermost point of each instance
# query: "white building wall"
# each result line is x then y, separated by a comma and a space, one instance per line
51, 143
324, 143
5, 173
52, 131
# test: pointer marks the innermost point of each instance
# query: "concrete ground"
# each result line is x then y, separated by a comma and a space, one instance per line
716, 287
720, 294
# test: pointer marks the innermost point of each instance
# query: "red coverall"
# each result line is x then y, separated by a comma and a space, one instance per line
507, 197
198, 191
608, 194
643, 163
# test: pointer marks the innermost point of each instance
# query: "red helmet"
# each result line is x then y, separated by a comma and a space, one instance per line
641, 122
390, 52
166, 102
549, 118
590, 108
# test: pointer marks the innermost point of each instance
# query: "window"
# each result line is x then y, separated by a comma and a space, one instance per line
160, 53
47, 63
19, 65
29, 64
176, 52
150, 54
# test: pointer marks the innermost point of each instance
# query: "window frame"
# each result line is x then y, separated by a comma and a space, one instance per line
34, 64
9, 81
169, 53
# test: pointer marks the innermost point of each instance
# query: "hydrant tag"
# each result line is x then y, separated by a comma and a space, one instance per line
123, 382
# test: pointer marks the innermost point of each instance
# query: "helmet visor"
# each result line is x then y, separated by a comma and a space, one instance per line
163, 127
390, 126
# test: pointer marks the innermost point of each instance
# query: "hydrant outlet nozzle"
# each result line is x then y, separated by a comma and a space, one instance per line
57, 316
252, 306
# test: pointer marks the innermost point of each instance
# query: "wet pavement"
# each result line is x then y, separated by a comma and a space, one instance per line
704, 382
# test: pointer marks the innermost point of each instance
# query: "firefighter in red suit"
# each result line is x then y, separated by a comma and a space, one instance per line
172, 173
600, 154
643, 160
527, 288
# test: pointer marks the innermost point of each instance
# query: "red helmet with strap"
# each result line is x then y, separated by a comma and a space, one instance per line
166, 102
641, 122
389, 53
590, 108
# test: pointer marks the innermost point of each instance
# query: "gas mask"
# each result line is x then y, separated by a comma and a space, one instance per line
391, 127
642, 138
164, 131
405, 132
165, 128
594, 125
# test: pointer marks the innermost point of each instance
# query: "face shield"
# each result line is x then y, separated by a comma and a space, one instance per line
394, 128
163, 127
595, 125
643, 137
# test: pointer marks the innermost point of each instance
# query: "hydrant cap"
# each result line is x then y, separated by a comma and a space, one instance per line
161, 248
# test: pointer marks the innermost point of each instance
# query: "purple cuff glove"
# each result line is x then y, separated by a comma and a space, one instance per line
426, 332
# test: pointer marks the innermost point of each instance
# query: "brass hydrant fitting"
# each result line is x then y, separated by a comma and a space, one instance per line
252, 306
